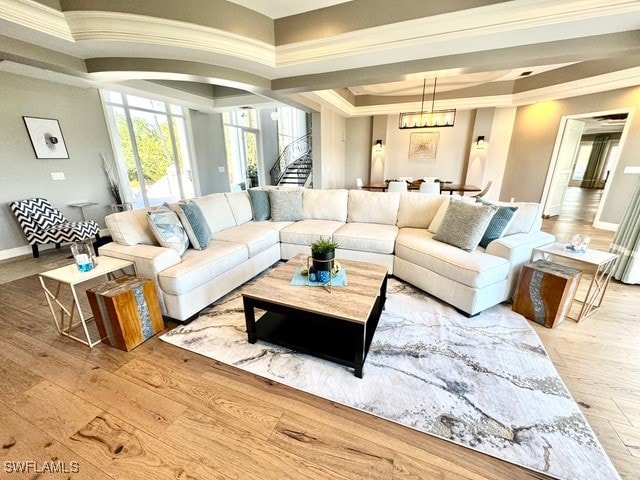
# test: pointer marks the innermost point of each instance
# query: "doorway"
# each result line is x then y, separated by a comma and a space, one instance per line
584, 158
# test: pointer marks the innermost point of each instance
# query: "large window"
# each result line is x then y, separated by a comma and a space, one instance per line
152, 148
292, 124
241, 132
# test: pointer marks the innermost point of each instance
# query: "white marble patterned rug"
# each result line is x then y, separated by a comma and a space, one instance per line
484, 382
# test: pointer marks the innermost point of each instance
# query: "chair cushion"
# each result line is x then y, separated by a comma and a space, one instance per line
286, 205
194, 223
464, 224
367, 237
201, 266
306, 232
260, 205
167, 228
256, 236
475, 269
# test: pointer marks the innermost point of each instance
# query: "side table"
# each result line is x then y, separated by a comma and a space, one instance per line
600, 264
82, 206
72, 277
545, 292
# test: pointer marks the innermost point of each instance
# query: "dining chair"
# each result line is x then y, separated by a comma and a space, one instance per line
397, 186
484, 191
359, 183
430, 187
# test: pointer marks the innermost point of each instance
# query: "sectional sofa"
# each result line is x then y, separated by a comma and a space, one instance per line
396, 230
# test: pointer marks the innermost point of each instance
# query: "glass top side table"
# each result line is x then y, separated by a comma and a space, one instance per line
600, 263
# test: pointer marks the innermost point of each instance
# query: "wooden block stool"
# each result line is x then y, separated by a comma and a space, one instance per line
545, 292
126, 311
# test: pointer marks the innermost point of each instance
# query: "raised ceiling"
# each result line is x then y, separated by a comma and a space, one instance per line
361, 57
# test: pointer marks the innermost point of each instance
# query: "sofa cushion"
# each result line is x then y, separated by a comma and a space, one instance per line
131, 228
168, 229
417, 210
194, 224
240, 206
367, 237
475, 269
201, 266
325, 204
286, 205
306, 232
373, 207
217, 211
527, 218
255, 235
260, 205
464, 224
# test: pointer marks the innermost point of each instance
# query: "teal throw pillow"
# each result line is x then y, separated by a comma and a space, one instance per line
167, 228
194, 224
260, 205
498, 223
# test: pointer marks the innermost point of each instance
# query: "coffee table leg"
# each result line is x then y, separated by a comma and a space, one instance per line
359, 356
250, 318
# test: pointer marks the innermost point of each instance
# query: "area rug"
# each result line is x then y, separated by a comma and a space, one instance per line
484, 382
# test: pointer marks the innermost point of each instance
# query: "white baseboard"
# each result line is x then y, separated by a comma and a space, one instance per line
612, 227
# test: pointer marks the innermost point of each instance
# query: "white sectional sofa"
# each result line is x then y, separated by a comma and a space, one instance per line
395, 230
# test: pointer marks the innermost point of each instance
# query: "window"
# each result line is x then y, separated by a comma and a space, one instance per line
292, 124
241, 143
151, 145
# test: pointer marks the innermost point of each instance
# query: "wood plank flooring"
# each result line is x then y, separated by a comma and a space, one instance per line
162, 412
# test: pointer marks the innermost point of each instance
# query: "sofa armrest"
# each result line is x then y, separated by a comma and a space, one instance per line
517, 249
149, 259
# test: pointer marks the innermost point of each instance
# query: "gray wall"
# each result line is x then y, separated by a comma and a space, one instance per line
269, 139
208, 144
358, 150
79, 112
534, 137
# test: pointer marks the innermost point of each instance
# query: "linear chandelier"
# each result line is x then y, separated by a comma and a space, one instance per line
431, 119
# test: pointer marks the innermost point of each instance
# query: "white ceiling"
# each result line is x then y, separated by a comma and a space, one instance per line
284, 8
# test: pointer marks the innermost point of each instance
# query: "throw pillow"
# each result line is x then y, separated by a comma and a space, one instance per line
498, 224
286, 205
166, 227
464, 224
260, 206
194, 224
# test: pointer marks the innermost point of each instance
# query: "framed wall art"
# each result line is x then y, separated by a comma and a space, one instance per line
423, 145
46, 137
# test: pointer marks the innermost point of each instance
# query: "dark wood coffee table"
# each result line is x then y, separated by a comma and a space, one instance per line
336, 326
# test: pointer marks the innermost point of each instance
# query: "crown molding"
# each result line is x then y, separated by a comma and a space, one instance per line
462, 30
126, 27
35, 16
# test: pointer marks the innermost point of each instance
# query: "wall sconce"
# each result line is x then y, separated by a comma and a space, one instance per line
480, 142
378, 145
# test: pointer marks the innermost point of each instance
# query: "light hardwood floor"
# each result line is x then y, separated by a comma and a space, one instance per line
162, 412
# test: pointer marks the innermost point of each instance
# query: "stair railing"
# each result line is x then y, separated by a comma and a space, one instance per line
292, 152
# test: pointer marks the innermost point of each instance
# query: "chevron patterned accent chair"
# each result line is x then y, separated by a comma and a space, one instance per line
44, 224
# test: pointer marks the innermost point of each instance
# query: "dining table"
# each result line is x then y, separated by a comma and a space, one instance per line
444, 187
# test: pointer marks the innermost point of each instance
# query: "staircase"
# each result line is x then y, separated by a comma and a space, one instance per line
294, 165
298, 172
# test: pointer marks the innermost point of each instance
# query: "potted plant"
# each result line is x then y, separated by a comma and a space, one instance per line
252, 173
323, 252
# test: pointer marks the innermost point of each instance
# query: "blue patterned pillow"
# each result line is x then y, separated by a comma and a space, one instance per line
194, 224
260, 205
166, 227
497, 225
